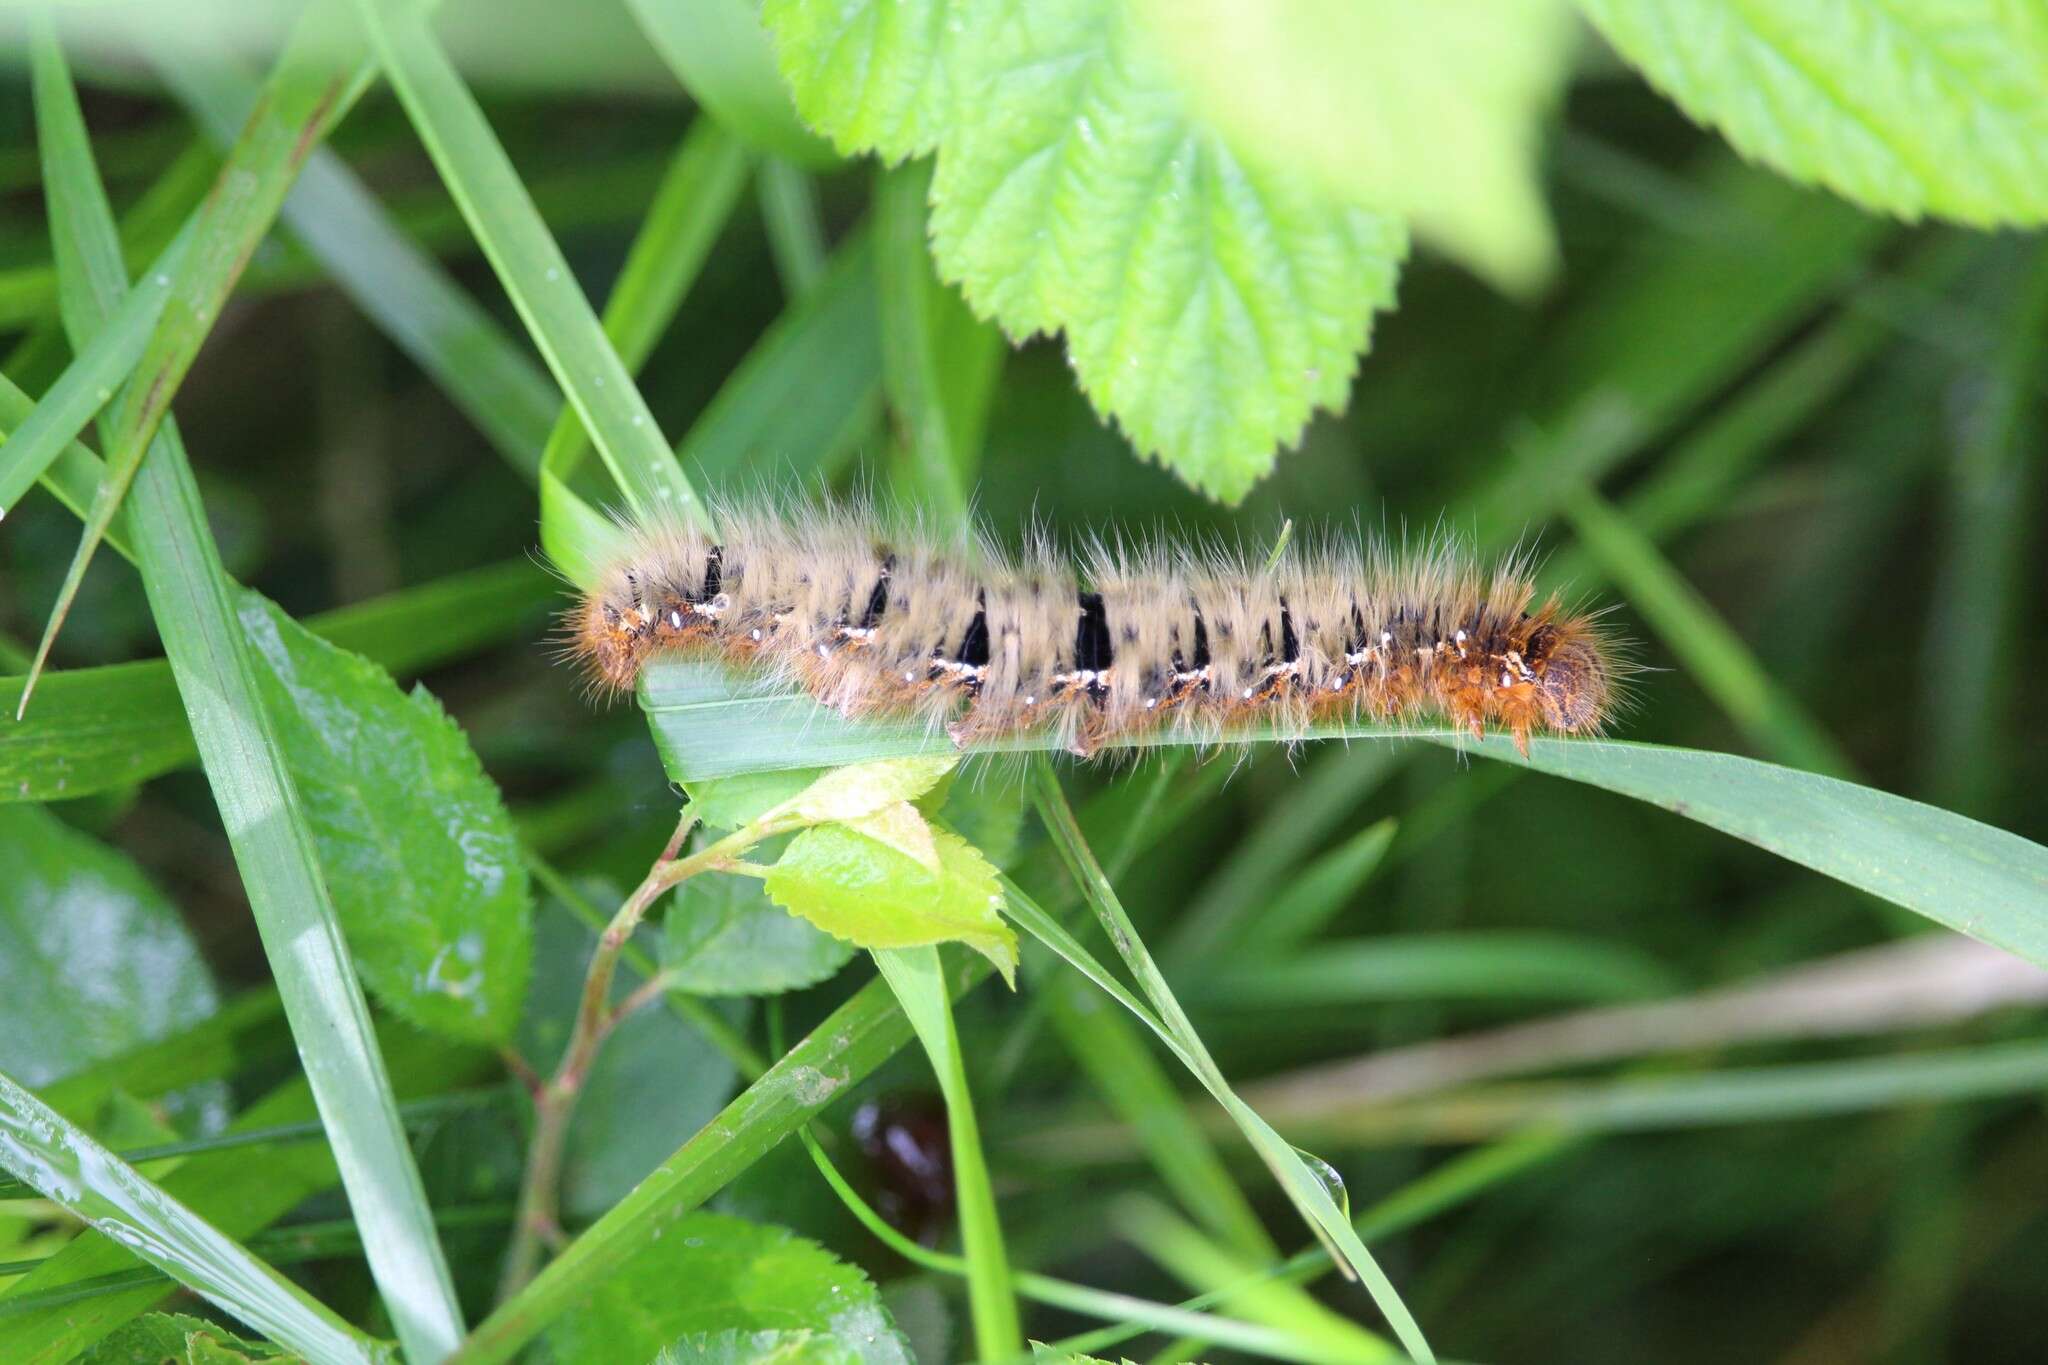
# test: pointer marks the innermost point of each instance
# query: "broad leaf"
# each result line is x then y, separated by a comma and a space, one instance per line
729, 802
857, 889
1211, 303
1908, 106
1434, 111
722, 936
710, 1276
415, 843
177, 1339
93, 960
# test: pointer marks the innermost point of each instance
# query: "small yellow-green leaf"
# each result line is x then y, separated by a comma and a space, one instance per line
864, 788
902, 827
857, 889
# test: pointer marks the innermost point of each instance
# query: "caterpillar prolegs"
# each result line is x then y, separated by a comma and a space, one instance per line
870, 617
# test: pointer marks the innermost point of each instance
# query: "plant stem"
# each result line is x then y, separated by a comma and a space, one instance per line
538, 1223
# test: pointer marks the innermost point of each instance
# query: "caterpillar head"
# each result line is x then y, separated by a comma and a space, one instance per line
1571, 678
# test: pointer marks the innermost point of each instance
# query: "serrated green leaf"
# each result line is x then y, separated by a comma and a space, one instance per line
862, 789
1908, 108
901, 826
176, 1339
93, 960
1435, 112
871, 75
739, 1277
723, 936
414, 838
859, 890
1210, 304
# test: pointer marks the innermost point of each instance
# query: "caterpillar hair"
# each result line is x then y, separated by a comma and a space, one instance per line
876, 617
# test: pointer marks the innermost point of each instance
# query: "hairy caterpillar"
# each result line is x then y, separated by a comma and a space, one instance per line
874, 618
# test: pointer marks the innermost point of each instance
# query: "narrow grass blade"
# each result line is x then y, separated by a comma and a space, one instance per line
1712, 653
1975, 879
796, 236
1130, 1080
1475, 965
189, 595
1309, 899
938, 360
920, 987
1303, 1186
1978, 880
65, 1164
825, 346
696, 199
501, 213
88, 383
316, 80
401, 288
76, 1296
1974, 627
1276, 1301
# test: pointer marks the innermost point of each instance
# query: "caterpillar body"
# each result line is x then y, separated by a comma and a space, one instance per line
871, 618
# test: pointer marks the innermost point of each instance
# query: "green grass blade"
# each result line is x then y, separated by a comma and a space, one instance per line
88, 383
789, 210
1981, 881
696, 199
825, 347
44, 1318
1969, 876
401, 288
1473, 965
1304, 1187
1995, 473
316, 80
189, 595
1711, 652
845, 1047
1110, 1053
65, 1164
530, 265
920, 986
938, 360
1310, 898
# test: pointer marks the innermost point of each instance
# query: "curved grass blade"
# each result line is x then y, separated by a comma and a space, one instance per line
316, 80
1956, 871
88, 383
268, 830
65, 1164
696, 198
399, 286
495, 202
1305, 1188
